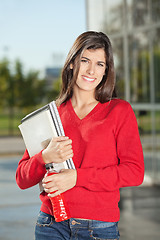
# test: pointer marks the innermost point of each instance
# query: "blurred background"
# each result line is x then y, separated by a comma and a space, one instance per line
35, 39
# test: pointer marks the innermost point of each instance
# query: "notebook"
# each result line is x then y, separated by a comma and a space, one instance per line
39, 127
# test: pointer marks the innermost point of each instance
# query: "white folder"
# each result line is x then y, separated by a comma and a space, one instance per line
39, 127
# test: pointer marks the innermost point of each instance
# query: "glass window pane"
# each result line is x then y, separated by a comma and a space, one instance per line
157, 143
157, 126
139, 68
145, 129
138, 13
119, 65
149, 128
155, 10
113, 19
157, 65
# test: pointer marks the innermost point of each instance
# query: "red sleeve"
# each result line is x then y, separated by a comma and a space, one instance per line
129, 171
30, 171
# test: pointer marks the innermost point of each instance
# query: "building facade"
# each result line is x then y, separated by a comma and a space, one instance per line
134, 29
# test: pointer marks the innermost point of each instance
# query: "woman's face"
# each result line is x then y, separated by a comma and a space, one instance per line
92, 68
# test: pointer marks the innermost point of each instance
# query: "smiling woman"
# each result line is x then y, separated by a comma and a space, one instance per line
103, 139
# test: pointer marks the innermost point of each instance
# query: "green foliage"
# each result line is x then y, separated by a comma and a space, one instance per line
54, 92
140, 76
21, 92
19, 89
5, 81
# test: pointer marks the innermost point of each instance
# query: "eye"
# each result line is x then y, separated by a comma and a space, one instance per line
101, 64
84, 60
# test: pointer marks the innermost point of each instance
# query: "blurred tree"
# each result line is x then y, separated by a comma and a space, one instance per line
30, 89
4, 74
19, 80
33, 92
7, 93
53, 93
19, 90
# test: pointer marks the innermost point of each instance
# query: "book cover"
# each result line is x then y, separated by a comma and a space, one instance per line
39, 127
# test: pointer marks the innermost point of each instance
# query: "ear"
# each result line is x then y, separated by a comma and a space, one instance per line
71, 66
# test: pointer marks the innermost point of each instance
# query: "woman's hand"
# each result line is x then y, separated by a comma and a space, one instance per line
58, 150
58, 183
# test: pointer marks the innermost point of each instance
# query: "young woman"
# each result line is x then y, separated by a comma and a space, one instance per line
101, 136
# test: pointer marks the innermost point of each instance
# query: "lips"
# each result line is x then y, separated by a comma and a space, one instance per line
88, 79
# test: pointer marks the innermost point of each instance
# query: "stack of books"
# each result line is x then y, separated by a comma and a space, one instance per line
39, 127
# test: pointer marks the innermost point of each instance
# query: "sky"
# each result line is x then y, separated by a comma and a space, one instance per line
40, 32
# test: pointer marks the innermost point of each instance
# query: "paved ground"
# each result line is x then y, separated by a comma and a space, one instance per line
140, 207
11, 145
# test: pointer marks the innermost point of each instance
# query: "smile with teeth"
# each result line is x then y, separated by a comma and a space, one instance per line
88, 79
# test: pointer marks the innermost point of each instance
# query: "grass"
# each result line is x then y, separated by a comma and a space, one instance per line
8, 127
145, 123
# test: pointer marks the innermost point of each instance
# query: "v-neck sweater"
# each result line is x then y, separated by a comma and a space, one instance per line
107, 155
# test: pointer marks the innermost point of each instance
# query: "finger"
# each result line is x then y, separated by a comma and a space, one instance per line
69, 155
60, 138
67, 147
56, 140
65, 155
48, 179
69, 152
62, 144
64, 149
55, 194
49, 185
51, 190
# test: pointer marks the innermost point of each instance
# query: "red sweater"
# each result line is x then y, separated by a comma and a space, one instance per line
107, 155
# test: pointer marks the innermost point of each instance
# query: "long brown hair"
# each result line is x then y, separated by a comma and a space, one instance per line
88, 40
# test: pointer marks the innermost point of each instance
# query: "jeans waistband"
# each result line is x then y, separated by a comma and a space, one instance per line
82, 223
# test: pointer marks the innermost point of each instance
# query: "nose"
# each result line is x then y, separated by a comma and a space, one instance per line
91, 69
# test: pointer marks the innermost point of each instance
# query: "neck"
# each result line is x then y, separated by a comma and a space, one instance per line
82, 98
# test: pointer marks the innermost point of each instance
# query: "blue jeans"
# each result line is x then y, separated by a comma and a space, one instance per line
74, 229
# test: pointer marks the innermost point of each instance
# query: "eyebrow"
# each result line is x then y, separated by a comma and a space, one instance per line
98, 61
